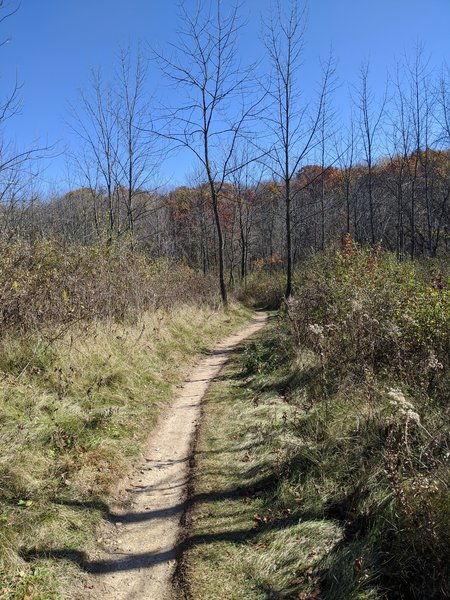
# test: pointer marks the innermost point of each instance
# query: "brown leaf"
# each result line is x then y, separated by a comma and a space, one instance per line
259, 519
259, 546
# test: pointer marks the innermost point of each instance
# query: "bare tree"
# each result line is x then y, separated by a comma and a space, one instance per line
369, 123
216, 102
400, 142
326, 126
17, 166
293, 125
137, 150
346, 151
246, 180
10, 102
95, 125
443, 96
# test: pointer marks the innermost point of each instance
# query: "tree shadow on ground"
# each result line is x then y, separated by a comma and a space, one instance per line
239, 535
132, 562
138, 561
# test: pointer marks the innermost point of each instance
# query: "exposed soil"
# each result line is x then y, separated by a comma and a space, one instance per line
140, 540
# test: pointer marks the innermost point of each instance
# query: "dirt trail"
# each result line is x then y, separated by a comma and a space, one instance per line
141, 537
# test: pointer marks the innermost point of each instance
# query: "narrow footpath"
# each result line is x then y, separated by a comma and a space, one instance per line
141, 536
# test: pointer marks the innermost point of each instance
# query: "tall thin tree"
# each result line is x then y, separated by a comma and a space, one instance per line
293, 123
217, 101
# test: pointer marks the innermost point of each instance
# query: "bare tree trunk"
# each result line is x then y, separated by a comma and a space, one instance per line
369, 124
288, 230
294, 135
208, 123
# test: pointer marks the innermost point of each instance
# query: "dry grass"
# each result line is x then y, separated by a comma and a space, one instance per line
72, 416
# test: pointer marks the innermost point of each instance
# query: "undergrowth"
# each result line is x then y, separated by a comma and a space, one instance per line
376, 410
49, 284
333, 465
262, 289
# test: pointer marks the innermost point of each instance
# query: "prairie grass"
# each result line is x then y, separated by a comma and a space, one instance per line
73, 414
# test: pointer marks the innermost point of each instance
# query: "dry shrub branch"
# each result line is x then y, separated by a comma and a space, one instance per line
45, 284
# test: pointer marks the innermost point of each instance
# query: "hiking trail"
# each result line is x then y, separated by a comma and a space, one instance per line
140, 538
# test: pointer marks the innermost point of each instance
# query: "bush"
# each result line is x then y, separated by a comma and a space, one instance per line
373, 449
263, 289
362, 310
44, 284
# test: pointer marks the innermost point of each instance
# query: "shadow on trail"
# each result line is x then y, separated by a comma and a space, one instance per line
119, 562
236, 449
132, 562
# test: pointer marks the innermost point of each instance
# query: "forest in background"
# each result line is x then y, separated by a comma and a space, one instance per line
279, 173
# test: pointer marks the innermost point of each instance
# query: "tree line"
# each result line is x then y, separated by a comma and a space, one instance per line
279, 173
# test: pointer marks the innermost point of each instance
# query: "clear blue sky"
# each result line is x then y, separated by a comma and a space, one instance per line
54, 43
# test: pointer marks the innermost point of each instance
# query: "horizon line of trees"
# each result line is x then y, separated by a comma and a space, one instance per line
278, 175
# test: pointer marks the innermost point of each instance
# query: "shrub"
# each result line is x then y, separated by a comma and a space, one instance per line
376, 334
44, 284
262, 289
362, 310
